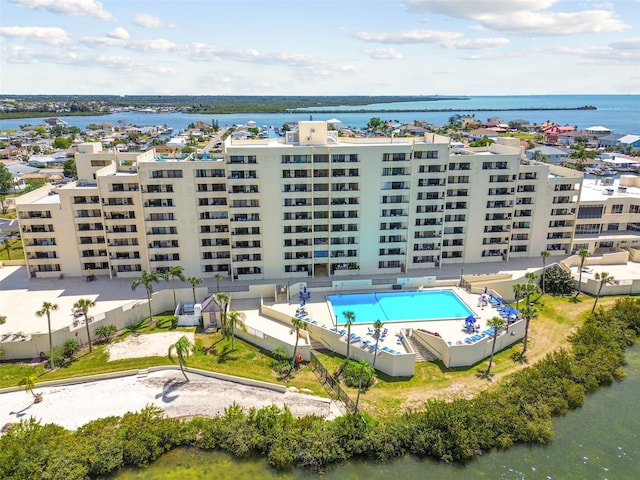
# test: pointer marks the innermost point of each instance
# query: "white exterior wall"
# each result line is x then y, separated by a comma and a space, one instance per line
336, 206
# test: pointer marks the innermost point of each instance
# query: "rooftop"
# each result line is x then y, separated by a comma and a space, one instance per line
594, 190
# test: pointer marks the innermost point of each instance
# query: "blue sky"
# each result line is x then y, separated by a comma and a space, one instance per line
313, 47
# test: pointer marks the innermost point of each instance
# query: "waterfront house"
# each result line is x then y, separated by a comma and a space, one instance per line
547, 154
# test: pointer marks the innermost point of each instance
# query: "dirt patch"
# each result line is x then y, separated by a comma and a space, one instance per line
148, 345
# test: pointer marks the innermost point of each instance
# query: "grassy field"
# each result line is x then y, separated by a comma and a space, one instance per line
558, 317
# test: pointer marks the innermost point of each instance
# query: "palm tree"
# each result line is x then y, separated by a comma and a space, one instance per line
531, 277
147, 279
29, 383
222, 300
194, 281
175, 271
498, 324
183, 349
217, 277
528, 290
604, 279
85, 304
47, 308
518, 289
297, 324
235, 319
7, 247
528, 313
544, 254
583, 253
350, 317
377, 329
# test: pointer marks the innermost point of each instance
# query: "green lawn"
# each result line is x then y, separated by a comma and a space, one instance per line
15, 249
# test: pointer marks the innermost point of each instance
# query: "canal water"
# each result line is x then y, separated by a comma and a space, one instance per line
599, 441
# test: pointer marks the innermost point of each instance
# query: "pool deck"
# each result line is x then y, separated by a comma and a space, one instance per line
451, 330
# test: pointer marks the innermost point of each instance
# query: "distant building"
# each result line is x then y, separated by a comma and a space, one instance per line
54, 121
44, 161
547, 154
630, 141
610, 140
598, 130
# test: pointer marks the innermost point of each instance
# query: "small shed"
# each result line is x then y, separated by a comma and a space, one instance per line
210, 314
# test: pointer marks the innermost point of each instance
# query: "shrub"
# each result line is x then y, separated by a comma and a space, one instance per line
70, 348
353, 372
105, 332
59, 357
557, 281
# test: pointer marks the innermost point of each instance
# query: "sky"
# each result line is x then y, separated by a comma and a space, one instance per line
314, 47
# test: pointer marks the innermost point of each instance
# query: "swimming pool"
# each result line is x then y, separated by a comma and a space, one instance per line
399, 306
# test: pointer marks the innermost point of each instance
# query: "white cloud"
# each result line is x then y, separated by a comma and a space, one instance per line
156, 45
49, 35
120, 38
628, 44
472, 8
601, 55
74, 8
17, 54
410, 36
103, 41
149, 21
119, 33
478, 43
524, 17
383, 53
436, 37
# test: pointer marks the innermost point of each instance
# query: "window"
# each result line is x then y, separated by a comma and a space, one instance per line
590, 211
617, 208
588, 229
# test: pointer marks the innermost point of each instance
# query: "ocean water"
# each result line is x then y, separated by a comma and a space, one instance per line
620, 113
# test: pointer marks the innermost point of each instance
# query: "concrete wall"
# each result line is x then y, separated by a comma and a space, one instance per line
268, 343
402, 365
465, 355
616, 258
121, 317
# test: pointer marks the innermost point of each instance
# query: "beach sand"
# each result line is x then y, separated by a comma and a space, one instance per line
72, 406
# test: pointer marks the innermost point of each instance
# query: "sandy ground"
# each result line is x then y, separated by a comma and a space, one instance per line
148, 345
72, 406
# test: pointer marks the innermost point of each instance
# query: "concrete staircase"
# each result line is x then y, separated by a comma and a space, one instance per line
142, 373
422, 353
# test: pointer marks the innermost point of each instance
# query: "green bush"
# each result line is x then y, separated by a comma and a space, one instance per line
70, 347
557, 281
105, 332
354, 372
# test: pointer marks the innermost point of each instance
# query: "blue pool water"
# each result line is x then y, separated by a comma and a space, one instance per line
399, 306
